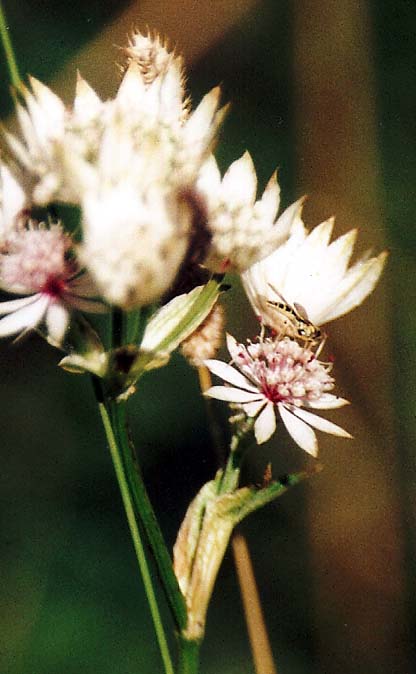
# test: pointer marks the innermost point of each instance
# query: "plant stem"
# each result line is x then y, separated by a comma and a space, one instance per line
188, 656
231, 475
135, 534
117, 328
147, 518
253, 612
8, 49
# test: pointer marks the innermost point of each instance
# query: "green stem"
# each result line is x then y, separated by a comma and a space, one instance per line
117, 328
143, 508
188, 656
8, 49
135, 534
148, 519
231, 475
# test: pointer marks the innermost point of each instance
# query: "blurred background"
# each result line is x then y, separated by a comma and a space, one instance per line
325, 91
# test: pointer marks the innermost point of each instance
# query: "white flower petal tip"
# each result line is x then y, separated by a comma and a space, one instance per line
146, 133
229, 374
302, 433
231, 395
278, 376
309, 271
320, 424
84, 93
232, 345
243, 230
240, 182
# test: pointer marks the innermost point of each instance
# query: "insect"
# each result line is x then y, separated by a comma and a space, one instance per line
297, 318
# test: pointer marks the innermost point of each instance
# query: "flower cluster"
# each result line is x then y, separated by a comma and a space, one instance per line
156, 216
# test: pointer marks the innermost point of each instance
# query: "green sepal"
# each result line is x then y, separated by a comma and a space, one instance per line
179, 318
166, 329
204, 535
85, 349
187, 541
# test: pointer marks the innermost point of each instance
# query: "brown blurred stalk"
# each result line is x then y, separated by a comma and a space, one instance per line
256, 626
355, 533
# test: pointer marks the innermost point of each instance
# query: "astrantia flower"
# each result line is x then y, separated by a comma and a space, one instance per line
127, 162
63, 149
278, 376
243, 230
35, 262
309, 271
134, 243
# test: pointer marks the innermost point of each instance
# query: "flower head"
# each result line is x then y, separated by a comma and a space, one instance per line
243, 230
134, 243
127, 162
309, 272
64, 149
36, 262
278, 376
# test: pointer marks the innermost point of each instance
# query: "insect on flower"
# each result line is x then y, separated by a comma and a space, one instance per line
296, 318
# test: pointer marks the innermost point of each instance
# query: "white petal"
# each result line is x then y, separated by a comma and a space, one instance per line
87, 104
57, 319
18, 149
291, 217
27, 317
358, 284
265, 424
201, 124
209, 179
132, 90
252, 409
239, 184
13, 198
327, 401
320, 423
230, 375
231, 395
268, 205
14, 305
301, 433
171, 94
50, 102
232, 346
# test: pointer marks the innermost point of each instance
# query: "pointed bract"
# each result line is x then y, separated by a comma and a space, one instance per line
308, 271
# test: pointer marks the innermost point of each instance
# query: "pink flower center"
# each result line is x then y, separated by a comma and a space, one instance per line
284, 371
54, 287
35, 260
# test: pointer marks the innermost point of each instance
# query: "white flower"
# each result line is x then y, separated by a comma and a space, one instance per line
63, 150
134, 243
278, 376
154, 59
36, 262
128, 163
309, 272
243, 230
